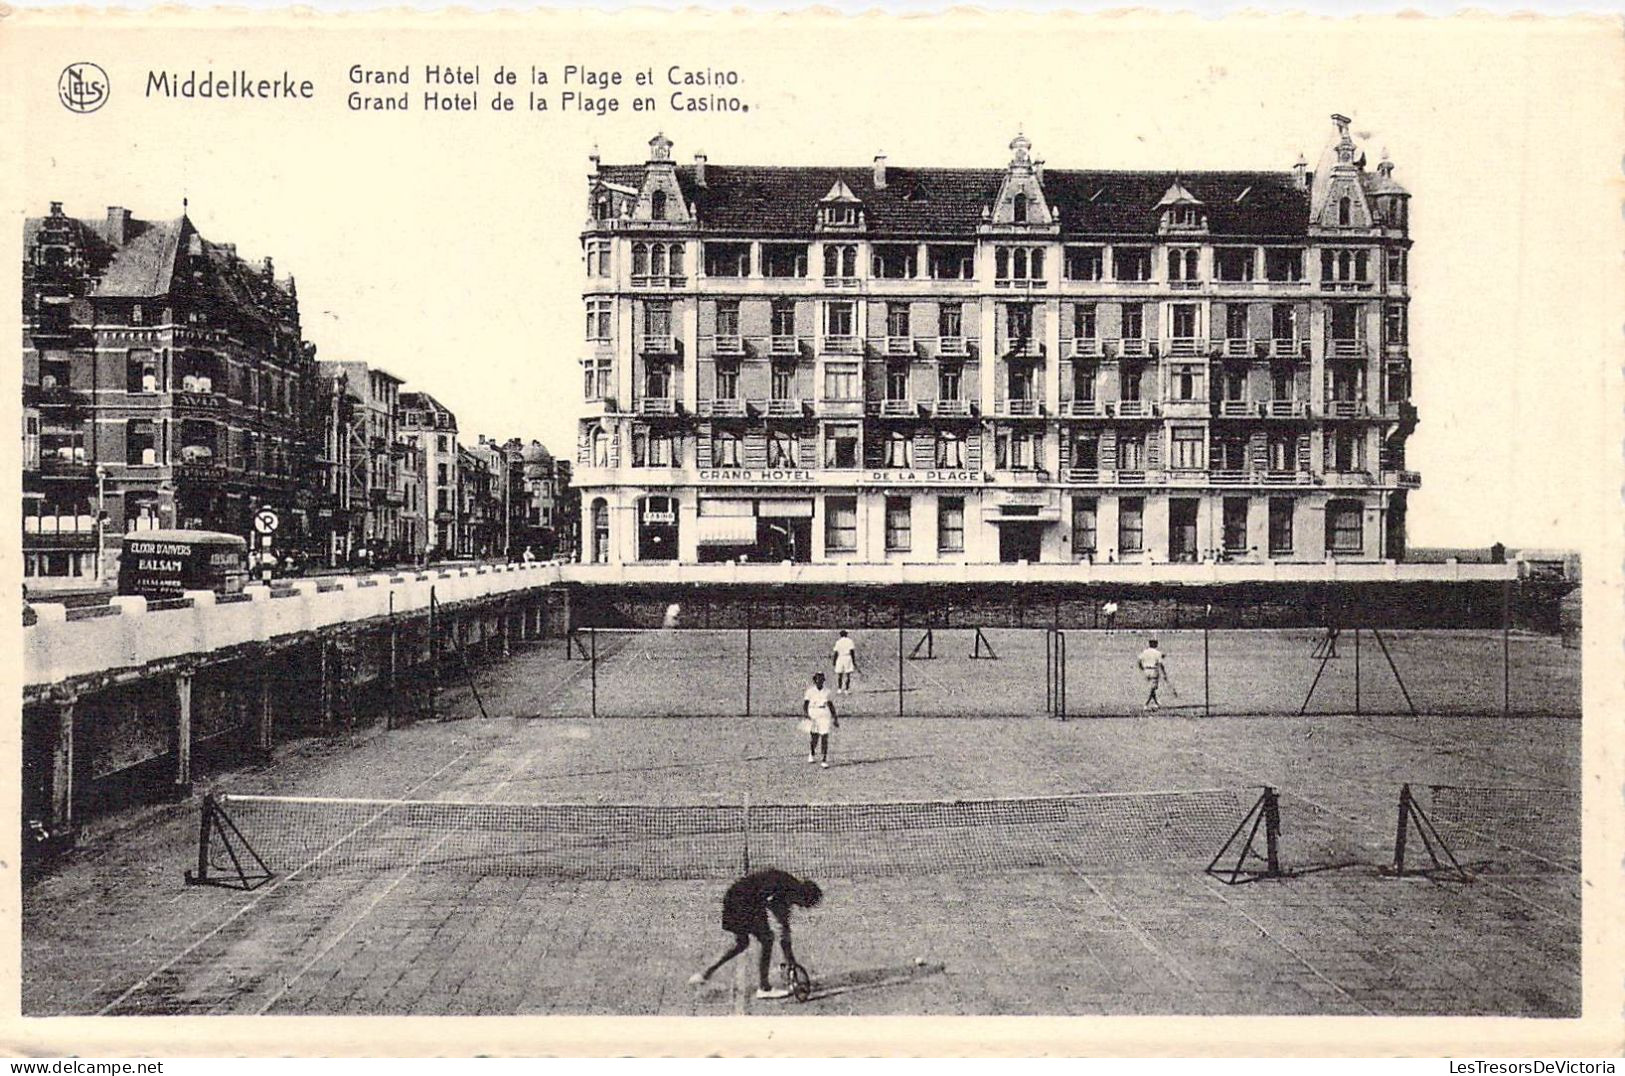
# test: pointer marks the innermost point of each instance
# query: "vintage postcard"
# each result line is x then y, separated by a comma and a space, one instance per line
818, 532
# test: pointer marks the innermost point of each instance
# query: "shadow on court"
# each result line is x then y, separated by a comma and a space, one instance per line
852, 982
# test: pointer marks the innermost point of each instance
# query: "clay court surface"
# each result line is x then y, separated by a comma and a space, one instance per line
1119, 928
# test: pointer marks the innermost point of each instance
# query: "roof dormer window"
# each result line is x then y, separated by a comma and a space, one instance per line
1344, 211
657, 205
1018, 209
840, 215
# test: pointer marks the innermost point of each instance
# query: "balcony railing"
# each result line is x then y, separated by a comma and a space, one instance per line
840, 282
1135, 409
1083, 409
1345, 409
1285, 409
657, 405
1186, 346
899, 345
952, 408
784, 408
1021, 409
660, 345
1133, 347
1020, 283
1087, 476
951, 345
1287, 347
898, 409
1024, 346
1132, 478
1409, 479
730, 344
1238, 347
648, 281
1228, 477
1287, 478
722, 408
843, 344
1346, 349
1237, 409
1084, 347
784, 345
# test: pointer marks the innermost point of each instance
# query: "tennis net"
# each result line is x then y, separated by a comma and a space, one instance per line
1503, 828
252, 838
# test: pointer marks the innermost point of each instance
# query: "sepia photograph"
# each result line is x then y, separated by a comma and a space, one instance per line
590, 515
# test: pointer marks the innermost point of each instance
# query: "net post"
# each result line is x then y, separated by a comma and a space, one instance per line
1272, 829
204, 827
899, 657
1049, 671
1061, 669
1506, 648
434, 652
748, 649
592, 639
745, 833
1356, 670
1404, 828
1207, 695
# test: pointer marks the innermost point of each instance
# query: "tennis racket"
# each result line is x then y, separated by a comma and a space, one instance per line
800, 982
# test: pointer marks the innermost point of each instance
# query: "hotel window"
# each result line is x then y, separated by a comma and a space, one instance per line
1134, 322
784, 317
657, 319
839, 319
1184, 321
657, 205
1084, 534
598, 315
1235, 321
652, 450
727, 381
1018, 209
1396, 267
727, 259
1018, 263
784, 259
841, 447
657, 382
1235, 263
952, 263
839, 214
899, 525
1280, 525
1019, 322
1131, 263
597, 257
897, 382
1131, 453
601, 209
950, 450
897, 319
141, 372
600, 448
1283, 322
950, 524
725, 449
840, 261
783, 384
950, 320
1283, 454
728, 317
1085, 321
1344, 211
1131, 525
597, 378
1349, 266
1128, 385
1345, 527
1348, 452
140, 442
1085, 263
1182, 266
1188, 448
1395, 323
1019, 450
899, 450
893, 261
842, 383
1083, 380
840, 524
1235, 525
949, 381
783, 449
1283, 264
1185, 383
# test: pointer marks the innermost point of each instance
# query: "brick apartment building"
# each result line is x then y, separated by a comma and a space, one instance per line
938, 364
165, 384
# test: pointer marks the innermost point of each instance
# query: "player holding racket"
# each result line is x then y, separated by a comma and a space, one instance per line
1151, 666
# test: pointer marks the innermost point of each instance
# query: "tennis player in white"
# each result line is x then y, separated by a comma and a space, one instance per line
819, 718
1155, 672
844, 655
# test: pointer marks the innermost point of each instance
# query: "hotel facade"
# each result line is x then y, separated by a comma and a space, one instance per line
976, 365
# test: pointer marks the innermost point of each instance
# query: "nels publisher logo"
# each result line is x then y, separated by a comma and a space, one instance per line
82, 87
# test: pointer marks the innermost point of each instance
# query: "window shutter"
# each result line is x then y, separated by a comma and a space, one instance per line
925, 448
702, 446
583, 448
808, 446
874, 451
1108, 450
1258, 451
1066, 449
973, 450
755, 448
1153, 450
1328, 444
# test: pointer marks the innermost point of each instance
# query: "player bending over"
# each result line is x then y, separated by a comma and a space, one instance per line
1155, 672
744, 915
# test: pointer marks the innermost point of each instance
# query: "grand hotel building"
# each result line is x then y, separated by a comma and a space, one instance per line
934, 364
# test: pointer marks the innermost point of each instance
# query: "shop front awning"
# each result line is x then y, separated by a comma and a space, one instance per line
726, 530
785, 509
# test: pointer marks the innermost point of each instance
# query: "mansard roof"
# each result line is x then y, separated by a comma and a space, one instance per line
948, 202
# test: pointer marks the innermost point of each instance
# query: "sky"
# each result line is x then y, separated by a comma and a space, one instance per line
444, 248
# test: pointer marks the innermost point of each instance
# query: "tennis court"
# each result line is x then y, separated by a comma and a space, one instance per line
931, 907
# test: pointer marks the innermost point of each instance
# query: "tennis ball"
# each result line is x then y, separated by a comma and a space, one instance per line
919, 962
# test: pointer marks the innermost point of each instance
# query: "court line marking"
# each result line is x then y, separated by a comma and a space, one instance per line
261, 896
1316, 972
357, 920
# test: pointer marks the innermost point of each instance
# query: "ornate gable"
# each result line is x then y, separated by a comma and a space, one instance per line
1337, 198
1181, 212
661, 199
1021, 202
840, 209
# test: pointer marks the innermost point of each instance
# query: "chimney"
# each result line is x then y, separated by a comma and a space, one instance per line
1300, 174
699, 169
593, 159
1038, 170
880, 171
56, 209
269, 269
118, 225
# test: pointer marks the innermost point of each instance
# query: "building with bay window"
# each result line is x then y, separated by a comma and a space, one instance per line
1013, 364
